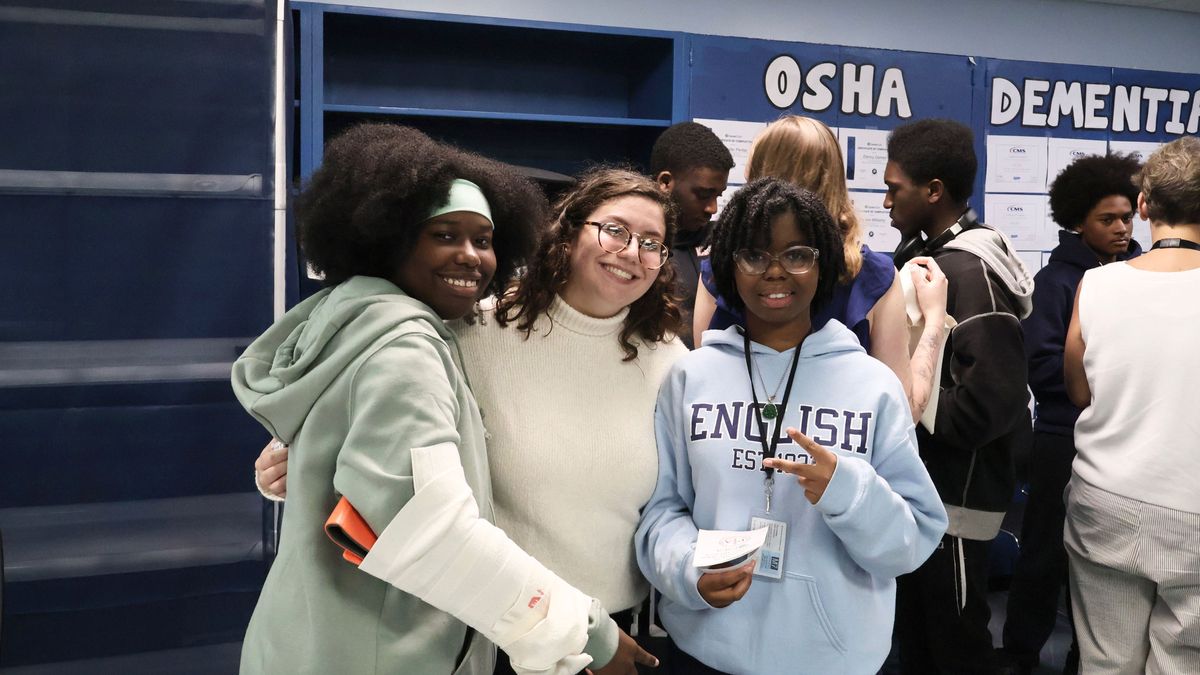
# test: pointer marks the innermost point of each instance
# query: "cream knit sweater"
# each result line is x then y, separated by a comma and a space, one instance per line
571, 441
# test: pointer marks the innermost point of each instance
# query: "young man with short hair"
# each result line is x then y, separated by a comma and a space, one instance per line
691, 163
941, 608
1093, 201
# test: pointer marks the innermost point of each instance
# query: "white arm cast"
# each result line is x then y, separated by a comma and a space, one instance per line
439, 549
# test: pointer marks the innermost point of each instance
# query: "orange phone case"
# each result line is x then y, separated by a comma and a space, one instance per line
348, 530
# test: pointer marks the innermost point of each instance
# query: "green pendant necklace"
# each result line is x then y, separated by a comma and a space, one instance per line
769, 411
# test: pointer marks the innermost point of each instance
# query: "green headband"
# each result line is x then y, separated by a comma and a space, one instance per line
464, 196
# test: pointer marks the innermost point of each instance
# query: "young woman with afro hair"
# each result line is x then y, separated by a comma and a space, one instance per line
366, 384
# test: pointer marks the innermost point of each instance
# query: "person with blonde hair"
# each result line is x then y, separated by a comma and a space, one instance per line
1133, 510
868, 299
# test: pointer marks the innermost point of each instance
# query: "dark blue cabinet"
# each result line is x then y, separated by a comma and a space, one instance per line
136, 215
551, 96
555, 97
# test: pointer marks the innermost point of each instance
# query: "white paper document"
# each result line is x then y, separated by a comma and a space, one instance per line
1016, 164
1141, 150
1023, 219
875, 221
737, 136
1063, 151
1141, 230
720, 547
1033, 259
723, 198
865, 154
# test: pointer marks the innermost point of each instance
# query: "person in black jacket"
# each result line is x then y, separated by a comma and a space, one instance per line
1092, 200
982, 406
691, 163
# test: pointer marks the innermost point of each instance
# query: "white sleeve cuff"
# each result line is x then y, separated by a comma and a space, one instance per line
269, 495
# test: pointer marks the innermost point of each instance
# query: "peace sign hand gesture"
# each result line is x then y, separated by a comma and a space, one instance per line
814, 478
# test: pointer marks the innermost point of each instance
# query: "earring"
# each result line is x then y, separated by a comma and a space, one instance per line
479, 315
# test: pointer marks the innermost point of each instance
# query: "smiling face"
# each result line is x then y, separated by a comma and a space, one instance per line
603, 283
451, 263
1106, 228
775, 300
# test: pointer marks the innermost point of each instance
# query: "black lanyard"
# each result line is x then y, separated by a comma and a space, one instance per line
1176, 243
769, 450
916, 245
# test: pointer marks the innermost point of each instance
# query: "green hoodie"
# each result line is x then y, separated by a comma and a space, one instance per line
353, 378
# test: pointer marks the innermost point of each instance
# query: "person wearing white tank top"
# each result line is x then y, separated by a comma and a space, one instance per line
1133, 508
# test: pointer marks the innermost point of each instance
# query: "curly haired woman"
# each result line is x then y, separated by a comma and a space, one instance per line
566, 367
862, 508
364, 381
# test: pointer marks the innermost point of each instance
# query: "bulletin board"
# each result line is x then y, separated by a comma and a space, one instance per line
1030, 119
1041, 117
739, 85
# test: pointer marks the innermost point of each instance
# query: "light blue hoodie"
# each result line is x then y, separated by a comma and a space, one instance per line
880, 516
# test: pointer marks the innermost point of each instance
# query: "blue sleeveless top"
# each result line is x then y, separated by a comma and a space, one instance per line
849, 304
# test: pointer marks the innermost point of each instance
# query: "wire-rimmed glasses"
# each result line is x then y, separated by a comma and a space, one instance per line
793, 260
615, 237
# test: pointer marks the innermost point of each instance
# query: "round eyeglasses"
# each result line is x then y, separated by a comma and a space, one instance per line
794, 260
615, 237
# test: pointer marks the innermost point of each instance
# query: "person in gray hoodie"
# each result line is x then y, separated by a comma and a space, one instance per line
982, 409
364, 381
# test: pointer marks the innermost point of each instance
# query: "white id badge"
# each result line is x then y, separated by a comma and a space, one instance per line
770, 556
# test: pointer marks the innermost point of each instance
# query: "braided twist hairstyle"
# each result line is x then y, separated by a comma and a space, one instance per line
746, 223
